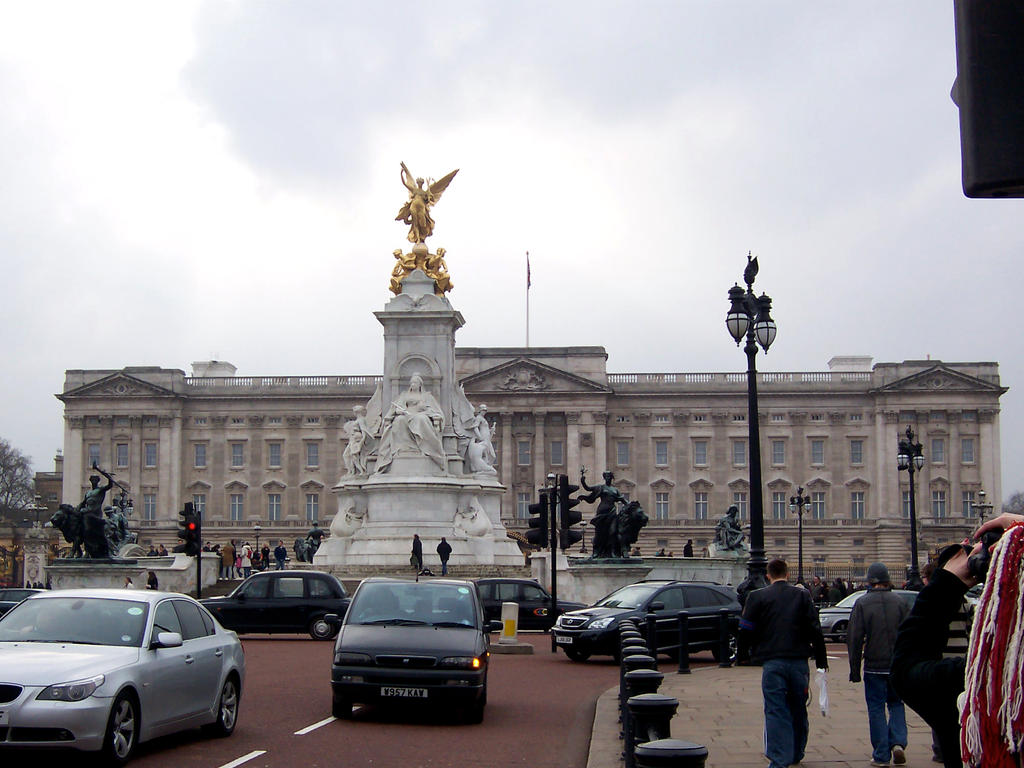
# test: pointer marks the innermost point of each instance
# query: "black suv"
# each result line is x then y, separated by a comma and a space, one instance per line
282, 601
582, 634
534, 601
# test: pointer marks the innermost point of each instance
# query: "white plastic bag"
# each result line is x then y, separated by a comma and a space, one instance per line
821, 681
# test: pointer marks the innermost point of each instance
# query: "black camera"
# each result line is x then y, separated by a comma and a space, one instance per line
977, 564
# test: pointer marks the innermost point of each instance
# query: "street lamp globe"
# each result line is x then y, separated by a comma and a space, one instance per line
737, 320
764, 327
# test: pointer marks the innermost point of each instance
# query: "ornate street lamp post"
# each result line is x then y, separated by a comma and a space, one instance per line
797, 504
981, 507
910, 458
749, 319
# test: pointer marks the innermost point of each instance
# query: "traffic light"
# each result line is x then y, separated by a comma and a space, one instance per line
183, 526
989, 90
567, 516
539, 522
191, 530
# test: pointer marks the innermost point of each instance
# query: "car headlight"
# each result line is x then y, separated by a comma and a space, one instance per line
343, 658
462, 662
601, 623
73, 691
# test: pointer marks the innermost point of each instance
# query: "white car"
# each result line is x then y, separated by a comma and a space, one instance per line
105, 669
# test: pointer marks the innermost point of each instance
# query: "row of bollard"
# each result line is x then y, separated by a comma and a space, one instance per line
644, 714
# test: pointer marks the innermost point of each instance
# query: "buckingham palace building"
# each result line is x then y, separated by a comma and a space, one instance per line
267, 450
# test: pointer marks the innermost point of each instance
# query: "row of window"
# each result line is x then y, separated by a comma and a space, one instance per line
780, 505
236, 506
623, 450
200, 451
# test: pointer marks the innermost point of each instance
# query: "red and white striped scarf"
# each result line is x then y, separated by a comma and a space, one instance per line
992, 716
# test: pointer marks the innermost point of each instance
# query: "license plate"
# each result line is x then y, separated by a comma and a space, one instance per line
404, 693
563, 640
3, 717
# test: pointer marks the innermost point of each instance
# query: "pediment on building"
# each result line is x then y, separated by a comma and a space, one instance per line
236, 485
702, 484
200, 485
274, 485
819, 482
740, 483
662, 483
779, 484
940, 378
312, 485
118, 384
525, 375
857, 482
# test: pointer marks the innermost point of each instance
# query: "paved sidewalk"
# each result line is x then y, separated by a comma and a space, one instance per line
723, 710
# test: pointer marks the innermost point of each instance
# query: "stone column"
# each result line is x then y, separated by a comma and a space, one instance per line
37, 540
572, 445
539, 469
988, 452
74, 459
507, 461
601, 462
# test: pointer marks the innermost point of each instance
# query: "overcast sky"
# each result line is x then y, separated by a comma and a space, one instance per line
183, 181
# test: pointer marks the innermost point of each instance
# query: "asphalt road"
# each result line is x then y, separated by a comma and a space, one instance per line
539, 713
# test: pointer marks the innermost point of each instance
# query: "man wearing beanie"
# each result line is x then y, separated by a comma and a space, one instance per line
874, 625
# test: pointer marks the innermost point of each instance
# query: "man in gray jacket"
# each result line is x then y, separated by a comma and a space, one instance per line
874, 625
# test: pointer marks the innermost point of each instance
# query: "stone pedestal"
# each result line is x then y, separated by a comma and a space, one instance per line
405, 491
37, 542
175, 573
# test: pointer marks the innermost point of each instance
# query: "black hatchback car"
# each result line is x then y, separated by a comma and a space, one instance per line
534, 601
594, 630
419, 643
282, 601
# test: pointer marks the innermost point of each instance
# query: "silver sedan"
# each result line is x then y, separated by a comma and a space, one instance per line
105, 669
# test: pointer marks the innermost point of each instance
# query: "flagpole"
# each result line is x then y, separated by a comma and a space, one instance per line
527, 299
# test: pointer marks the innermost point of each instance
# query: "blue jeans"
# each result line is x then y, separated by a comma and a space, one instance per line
444, 567
784, 684
878, 694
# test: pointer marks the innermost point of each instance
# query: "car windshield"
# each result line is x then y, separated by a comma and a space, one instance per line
86, 620
628, 597
849, 600
413, 603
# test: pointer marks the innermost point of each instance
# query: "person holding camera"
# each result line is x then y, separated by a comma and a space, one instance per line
924, 678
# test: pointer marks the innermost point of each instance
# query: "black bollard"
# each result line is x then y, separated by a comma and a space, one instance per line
684, 643
638, 681
670, 753
629, 663
724, 651
651, 717
651, 621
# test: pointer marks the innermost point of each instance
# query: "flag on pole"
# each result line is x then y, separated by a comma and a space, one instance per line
527, 270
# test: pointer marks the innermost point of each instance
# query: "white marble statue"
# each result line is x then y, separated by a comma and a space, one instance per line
360, 440
472, 521
348, 522
413, 423
480, 455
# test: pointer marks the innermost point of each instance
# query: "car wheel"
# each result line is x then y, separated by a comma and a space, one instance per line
839, 631
716, 651
475, 711
227, 709
122, 730
577, 655
341, 706
320, 629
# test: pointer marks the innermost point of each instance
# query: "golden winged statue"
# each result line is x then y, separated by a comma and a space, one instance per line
416, 212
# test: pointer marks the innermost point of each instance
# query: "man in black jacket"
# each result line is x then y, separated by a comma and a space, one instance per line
784, 632
874, 624
444, 551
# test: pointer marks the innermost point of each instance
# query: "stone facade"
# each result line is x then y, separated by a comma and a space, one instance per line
260, 449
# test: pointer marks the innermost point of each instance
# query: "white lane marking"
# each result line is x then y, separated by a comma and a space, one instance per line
245, 758
314, 726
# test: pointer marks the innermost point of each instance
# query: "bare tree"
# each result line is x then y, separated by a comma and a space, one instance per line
16, 481
1015, 503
